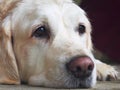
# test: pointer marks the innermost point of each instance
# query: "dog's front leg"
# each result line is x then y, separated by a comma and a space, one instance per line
105, 72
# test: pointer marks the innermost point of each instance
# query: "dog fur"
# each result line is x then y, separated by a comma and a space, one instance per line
41, 61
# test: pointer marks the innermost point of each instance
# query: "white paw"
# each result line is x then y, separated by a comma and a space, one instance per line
106, 72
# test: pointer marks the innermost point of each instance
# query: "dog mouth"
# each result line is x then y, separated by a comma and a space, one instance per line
69, 81
74, 82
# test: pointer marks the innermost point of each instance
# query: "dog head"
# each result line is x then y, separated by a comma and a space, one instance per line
50, 42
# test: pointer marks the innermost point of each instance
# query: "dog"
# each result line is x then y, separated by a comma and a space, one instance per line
48, 43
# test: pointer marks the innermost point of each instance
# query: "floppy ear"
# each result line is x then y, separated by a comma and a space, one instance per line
8, 66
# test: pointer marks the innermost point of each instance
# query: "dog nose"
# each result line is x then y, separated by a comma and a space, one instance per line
80, 66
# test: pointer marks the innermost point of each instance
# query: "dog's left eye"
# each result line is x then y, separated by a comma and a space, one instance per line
81, 29
41, 32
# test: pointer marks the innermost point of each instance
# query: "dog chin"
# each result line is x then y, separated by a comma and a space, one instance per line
73, 83
64, 80
68, 82
78, 83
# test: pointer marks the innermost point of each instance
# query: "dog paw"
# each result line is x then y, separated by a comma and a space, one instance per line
106, 72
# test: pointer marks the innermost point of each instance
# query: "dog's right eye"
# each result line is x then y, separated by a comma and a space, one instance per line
81, 29
41, 32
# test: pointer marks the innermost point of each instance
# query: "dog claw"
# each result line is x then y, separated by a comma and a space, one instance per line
106, 72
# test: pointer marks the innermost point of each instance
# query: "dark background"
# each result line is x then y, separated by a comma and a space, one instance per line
105, 18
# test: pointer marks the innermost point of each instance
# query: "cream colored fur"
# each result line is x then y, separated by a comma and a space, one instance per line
42, 62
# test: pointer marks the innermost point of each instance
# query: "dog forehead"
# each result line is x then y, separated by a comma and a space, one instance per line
39, 12
68, 14
65, 10
48, 8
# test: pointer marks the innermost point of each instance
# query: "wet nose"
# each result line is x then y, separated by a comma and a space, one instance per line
80, 66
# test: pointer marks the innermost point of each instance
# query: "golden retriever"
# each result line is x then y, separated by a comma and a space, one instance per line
48, 43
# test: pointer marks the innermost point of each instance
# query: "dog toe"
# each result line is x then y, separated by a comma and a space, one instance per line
106, 72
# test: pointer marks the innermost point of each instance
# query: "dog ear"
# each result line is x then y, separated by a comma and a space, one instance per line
8, 66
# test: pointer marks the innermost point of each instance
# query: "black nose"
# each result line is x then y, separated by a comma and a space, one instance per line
80, 66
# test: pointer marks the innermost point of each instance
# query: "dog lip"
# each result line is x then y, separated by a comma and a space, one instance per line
80, 82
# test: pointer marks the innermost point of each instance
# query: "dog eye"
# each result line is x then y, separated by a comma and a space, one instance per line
41, 32
81, 29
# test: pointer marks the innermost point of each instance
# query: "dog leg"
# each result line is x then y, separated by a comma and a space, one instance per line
105, 72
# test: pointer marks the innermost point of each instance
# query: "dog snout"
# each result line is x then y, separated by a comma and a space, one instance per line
80, 66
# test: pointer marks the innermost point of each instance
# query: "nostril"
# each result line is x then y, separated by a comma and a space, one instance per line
78, 69
90, 67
